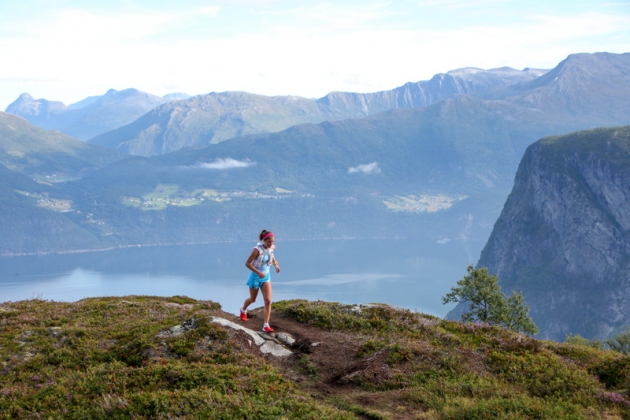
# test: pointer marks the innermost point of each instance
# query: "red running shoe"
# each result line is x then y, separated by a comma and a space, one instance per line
267, 329
243, 314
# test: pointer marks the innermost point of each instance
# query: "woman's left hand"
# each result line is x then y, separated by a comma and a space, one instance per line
277, 269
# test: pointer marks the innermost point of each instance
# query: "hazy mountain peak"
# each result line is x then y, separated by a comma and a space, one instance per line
582, 84
37, 109
89, 117
25, 96
465, 70
176, 96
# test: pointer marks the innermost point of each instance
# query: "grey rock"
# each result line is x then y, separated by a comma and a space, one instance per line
275, 349
285, 338
179, 329
177, 305
258, 340
266, 342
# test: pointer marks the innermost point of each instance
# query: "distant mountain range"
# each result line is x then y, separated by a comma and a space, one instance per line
441, 171
91, 116
563, 236
215, 117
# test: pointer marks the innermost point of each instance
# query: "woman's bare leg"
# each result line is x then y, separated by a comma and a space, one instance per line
253, 294
266, 291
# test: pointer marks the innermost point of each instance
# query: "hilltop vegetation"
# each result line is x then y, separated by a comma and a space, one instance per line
117, 357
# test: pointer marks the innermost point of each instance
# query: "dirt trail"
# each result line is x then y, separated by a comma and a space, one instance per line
324, 363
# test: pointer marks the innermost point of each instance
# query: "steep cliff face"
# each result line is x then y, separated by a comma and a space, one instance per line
563, 238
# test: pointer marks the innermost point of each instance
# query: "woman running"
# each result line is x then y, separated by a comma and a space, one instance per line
259, 262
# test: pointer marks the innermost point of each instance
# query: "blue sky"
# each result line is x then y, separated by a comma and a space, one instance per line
67, 50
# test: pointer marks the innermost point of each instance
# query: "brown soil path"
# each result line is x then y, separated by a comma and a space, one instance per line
324, 363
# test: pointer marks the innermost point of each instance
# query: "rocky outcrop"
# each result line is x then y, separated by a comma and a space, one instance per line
563, 238
267, 343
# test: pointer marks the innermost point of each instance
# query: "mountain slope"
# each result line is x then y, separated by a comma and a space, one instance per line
590, 87
30, 149
27, 227
215, 117
90, 117
207, 119
563, 236
31, 220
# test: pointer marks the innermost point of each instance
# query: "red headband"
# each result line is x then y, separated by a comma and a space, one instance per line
267, 235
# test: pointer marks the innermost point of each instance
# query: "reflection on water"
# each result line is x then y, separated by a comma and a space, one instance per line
404, 273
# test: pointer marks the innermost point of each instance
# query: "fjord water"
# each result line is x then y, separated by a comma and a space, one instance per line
405, 273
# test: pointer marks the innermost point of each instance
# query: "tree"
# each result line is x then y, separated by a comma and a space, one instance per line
620, 343
486, 302
578, 340
516, 315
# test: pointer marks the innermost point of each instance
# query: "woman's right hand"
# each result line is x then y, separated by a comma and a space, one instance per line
261, 274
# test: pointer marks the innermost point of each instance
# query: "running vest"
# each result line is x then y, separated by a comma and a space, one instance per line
261, 255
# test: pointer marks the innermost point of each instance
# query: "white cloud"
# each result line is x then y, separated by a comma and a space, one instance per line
370, 168
228, 163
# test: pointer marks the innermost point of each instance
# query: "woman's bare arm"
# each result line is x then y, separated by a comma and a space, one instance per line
255, 253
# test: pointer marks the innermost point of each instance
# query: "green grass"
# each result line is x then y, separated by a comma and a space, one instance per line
162, 191
111, 358
131, 202
449, 370
102, 358
155, 205
187, 203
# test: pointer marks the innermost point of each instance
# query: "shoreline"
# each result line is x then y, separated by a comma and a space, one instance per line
81, 251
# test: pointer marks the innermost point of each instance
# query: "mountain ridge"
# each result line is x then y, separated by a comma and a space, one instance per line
220, 116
